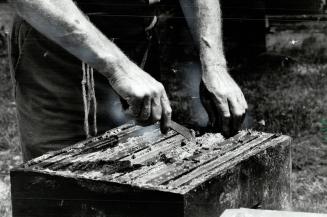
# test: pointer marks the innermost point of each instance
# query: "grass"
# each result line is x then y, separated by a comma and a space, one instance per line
9, 148
286, 94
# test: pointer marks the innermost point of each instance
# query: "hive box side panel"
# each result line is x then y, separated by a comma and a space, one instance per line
38, 195
268, 177
262, 181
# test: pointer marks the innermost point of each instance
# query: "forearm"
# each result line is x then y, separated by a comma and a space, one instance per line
204, 20
65, 24
220, 95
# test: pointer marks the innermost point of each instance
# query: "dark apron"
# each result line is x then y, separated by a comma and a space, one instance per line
48, 79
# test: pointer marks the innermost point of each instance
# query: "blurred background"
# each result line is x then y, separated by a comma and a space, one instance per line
277, 52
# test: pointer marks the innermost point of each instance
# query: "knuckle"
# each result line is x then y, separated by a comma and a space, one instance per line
222, 103
168, 112
138, 95
231, 94
220, 94
155, 93
156, 103
151, 92
161, 88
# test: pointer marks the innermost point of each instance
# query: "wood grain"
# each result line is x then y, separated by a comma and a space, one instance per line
137, 171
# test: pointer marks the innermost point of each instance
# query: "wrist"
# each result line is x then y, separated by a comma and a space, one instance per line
114, 66
217, 68
213, 61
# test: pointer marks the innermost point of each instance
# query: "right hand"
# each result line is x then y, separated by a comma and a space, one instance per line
223, 100
146, 97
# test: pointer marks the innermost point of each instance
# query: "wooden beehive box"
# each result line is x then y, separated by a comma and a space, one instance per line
134, 171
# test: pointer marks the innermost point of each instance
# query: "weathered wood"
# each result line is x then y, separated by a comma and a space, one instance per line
136, 171
267, 213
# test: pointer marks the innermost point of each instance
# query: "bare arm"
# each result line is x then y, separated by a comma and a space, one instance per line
222, 97
63, 22
204, 21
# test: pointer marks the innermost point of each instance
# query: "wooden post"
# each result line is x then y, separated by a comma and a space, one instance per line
138, 172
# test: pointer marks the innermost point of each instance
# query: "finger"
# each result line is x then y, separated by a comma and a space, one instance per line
166, 114
226, 126
237, 112
223, 110
212, 114
208, 106
243, 101
156, 110
146, 110
134, 108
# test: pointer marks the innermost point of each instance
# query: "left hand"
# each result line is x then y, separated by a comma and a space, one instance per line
223, 100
